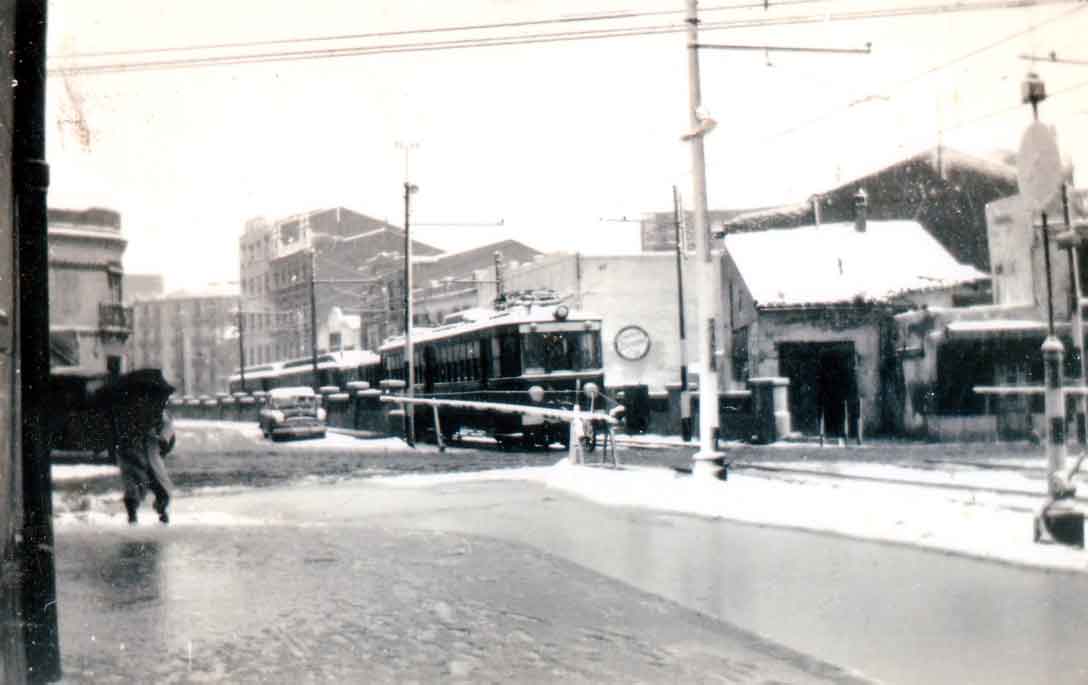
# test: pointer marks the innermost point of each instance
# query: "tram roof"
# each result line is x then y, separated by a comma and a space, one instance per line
482, 319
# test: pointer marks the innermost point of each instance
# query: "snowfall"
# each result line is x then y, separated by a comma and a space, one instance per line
977, 510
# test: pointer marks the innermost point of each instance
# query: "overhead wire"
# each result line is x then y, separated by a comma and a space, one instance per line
554, 37
927, 72
607, 16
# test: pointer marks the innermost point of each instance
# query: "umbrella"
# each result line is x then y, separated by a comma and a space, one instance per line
141, 385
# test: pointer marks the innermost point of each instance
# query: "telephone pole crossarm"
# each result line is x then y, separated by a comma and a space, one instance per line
867, 50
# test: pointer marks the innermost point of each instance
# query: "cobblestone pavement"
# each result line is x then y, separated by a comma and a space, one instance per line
342, 603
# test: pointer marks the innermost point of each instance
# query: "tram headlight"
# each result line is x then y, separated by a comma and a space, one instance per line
536, 393
562, 312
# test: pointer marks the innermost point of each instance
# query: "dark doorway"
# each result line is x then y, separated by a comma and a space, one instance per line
113, 366
822, 383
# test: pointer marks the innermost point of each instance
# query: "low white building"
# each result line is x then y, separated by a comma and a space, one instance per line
637, 297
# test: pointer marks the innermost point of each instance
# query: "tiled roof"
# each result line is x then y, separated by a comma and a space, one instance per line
835, 263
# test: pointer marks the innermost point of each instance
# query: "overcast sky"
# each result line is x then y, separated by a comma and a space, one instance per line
550, 138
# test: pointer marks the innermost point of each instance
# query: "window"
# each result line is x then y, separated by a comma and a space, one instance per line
114, 279
561, 351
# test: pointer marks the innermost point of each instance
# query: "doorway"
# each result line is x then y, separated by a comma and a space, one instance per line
823, 383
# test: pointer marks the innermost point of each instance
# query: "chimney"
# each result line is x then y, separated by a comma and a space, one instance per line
815, 199
861, 210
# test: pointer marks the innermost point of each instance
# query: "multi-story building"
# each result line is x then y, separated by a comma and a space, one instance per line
192, 336
279, 258
141, 287
88, 322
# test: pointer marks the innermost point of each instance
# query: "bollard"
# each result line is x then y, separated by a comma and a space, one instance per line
1059, 520
1053, 354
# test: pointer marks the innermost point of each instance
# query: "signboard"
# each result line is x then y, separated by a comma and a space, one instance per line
1039, 166
632, 343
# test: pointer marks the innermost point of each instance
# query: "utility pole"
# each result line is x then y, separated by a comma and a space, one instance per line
498, 275
241, 345
708, 379
409, 351
313, 312
37, 614
685, 396
1076, 312
701, 124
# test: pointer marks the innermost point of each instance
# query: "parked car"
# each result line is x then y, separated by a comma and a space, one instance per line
294, 412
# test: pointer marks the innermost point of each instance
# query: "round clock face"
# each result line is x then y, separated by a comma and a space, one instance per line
632, 343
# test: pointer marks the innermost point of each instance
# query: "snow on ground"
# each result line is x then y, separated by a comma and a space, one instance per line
979, 512
211, 436
977, 524
67, 472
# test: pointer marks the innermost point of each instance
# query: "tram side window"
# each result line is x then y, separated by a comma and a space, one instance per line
462, 361
474, 360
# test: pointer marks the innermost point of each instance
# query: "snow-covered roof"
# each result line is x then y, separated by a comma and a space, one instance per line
836, 263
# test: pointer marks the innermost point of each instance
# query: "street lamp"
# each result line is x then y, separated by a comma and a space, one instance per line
409, 351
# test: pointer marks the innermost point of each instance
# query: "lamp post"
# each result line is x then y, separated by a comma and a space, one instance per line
685, 396
409, 351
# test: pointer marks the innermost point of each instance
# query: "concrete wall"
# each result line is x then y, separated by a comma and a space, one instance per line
625, 290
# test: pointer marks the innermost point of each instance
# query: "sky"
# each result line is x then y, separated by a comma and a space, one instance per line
558, 141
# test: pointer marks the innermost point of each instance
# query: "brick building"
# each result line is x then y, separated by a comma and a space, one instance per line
279, 257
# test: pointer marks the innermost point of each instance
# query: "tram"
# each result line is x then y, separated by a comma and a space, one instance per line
496, 356
333, 369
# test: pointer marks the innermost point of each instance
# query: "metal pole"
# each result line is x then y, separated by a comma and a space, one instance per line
708, 381
313, 312
1078, 319
38, 588
409, 351
685, 397
241, 345
1053, 354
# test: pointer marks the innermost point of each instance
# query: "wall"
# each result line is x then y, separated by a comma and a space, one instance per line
625, 290
857, 325
84, 248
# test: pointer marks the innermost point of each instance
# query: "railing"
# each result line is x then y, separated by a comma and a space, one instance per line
115, 318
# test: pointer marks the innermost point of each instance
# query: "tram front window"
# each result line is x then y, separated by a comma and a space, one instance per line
561, 351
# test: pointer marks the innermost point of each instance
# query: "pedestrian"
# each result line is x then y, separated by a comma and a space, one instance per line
143, 434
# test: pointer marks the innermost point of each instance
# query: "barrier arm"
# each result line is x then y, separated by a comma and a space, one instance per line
572, 416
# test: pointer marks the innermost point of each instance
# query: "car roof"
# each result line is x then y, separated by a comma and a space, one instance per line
294, 391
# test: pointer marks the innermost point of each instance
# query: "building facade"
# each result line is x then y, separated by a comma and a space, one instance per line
946, 353
89, 324
278, 260
191, 336
815, 305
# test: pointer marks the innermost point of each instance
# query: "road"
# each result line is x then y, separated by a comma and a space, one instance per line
507, 580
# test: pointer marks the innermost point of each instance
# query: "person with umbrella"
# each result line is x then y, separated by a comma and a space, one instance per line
142, 435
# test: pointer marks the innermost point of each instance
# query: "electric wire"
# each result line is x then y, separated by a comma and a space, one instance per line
544, 38
610, 16
928, 72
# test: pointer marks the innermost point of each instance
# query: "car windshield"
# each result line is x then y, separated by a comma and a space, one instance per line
295, 402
